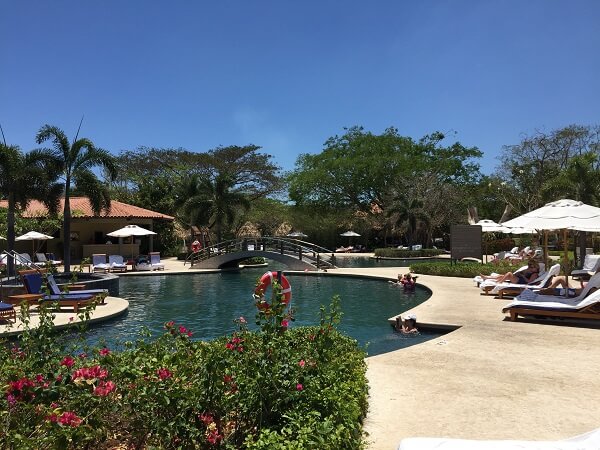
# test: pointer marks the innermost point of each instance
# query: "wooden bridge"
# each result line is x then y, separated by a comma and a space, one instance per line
296, 254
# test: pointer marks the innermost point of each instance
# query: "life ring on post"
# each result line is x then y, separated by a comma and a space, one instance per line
196, 246
267, 279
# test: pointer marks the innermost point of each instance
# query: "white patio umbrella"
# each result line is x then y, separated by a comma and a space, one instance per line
130, 231
563, 215
33, 236
350, 234
489, 226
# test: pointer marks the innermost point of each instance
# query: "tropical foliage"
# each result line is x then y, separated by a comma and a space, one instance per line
76, 162
274, 388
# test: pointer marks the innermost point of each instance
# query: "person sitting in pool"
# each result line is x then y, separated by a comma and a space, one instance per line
408, 281
407, 325
523, 277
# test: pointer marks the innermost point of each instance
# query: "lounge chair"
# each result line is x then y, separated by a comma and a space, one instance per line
584, 306
488, 285
117, 263
99, 263
33, 285
591, 264
24, 259
41, 258
142, 263
7, 312
588, 441
540, 282
155, 263
55, 290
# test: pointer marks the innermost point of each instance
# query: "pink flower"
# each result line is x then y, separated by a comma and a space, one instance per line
242, 319
11, 399
182, 329
53, 405
299, 387
169, 324
90, 373
69, 418
67, 361
83, 355
285, 323
104, 352
206, 418
164, 373
52, 418
104, 388
71, 319
189, 334
213, 437
301, 363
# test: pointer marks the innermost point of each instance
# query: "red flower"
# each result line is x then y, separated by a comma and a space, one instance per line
163, 373
104, 388
67, 361
299, 387
206, 418
213, 437
104, 352
285, 323
69, 418
20, 390
301, 363
90, 373
169, 324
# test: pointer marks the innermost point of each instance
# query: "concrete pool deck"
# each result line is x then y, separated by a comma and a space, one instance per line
488, 379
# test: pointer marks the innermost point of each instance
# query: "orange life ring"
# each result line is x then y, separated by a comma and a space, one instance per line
267, 279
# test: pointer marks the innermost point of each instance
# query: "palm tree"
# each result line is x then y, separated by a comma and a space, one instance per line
77, 159
408, 212
24, 177
200, 200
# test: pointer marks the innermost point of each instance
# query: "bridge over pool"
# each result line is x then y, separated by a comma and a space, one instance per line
296, 254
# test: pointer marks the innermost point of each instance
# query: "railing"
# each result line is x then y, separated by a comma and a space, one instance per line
19, 261
320, 257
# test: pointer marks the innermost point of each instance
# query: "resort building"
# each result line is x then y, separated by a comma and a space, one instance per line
89, 232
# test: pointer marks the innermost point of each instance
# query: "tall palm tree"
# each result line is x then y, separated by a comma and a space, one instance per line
24, 177
202, 201
77, 159
408, 212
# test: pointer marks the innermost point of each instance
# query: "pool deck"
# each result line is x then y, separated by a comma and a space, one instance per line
488, 379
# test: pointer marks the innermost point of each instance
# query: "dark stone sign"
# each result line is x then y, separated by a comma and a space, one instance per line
465, 242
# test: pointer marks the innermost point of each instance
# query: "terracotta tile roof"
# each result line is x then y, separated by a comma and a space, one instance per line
80, 207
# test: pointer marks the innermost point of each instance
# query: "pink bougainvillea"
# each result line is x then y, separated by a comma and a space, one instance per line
104, 388
164, 373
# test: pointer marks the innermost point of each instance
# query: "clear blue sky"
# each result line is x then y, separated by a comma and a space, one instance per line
286, 75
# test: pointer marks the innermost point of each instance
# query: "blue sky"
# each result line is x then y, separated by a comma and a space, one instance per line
287, 75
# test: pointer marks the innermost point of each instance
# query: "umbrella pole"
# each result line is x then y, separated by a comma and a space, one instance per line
546, 249
566, 262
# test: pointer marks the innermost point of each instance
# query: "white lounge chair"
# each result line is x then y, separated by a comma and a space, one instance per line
588, 441
593, 283
488, 285
117, 263
540, 282
41, 257
155, 263
99, 263
591, 264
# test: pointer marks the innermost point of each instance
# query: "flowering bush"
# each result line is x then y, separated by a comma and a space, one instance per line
276, 388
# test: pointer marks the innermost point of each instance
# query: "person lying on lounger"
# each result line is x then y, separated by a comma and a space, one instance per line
524, 277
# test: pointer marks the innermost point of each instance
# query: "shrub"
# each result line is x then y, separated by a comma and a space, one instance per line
397, 253
462, 269
277, 387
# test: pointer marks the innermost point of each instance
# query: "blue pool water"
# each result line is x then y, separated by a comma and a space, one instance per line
207, 304
365, 261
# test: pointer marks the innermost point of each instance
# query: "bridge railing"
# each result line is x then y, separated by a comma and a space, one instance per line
320, 257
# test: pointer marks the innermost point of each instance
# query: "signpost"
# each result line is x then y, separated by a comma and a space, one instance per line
465, 242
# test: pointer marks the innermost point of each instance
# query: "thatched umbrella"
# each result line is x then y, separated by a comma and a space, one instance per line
248, 230
283, 229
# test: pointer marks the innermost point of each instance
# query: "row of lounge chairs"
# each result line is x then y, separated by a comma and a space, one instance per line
24, 259
116, 263
529, 302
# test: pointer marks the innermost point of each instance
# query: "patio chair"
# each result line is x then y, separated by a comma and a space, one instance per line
41, 258
99, 263
591, 264
117, 263
488, 285
540, 282
24, 259
33, 285
55, 290
587, 441
7, 312
155, 263
142, 263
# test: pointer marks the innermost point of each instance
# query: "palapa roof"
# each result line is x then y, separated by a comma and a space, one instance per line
81, 208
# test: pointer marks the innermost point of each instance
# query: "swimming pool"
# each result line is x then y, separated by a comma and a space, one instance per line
366, 261
207, 304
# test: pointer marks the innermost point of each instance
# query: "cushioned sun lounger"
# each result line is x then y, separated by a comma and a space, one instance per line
591, 264
33, 285
585, 306
588, 441
155, 263
99, 263
488, 285
55, 290
117, 263
502, 289
7, 312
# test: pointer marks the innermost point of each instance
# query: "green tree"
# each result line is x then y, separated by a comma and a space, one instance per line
408, 213
24, 177
77, 159
215, 203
